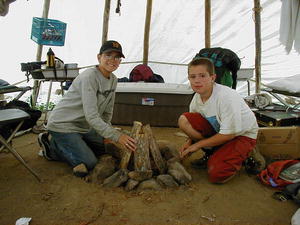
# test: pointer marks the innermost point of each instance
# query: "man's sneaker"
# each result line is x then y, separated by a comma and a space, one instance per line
80, 170
255, 163
200, 163
45, 145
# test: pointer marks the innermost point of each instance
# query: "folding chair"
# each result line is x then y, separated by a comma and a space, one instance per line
275, 93
12, 88
8, 116
288, 86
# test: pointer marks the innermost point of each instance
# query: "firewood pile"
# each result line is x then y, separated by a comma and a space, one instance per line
154, 165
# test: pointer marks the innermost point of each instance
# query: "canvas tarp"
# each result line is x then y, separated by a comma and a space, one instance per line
177, 34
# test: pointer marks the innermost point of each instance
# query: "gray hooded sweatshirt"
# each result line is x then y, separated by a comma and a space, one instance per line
88, 104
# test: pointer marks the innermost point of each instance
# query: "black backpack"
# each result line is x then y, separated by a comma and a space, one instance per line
223, 59
35, 114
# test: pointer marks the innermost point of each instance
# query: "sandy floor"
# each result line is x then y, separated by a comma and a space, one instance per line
65, 199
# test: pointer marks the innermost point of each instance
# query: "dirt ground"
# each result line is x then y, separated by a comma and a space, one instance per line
62, 198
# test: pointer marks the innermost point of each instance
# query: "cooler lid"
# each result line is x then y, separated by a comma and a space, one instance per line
165, 88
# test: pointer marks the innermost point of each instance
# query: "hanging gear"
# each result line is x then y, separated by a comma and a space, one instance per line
50, 59
224, 61
118, 7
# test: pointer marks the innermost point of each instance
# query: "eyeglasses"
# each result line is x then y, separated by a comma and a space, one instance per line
199, 76
110, 57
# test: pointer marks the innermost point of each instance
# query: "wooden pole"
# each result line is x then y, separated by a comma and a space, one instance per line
207, 23
45, 15
105, 20
37, 83
147, 32
257, 10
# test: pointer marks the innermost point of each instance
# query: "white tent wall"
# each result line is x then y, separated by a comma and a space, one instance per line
15, 43
177, 34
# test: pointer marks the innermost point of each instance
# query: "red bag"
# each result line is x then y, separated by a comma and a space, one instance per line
270, 176
141, 73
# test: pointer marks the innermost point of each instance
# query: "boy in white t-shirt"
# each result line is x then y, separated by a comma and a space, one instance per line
218, 118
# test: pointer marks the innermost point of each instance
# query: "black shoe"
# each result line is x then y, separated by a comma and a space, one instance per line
45, 145
200, 163
255, 163
80, 170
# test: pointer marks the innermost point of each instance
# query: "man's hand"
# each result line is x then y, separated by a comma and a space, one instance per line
128, 142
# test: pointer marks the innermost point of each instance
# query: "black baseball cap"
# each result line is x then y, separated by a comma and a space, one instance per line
111, 46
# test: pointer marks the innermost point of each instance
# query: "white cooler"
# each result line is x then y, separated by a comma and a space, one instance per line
157, 104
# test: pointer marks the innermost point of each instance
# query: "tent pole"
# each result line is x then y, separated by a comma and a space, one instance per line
207, 23
147, 32
105, 20
257, 10
37, 83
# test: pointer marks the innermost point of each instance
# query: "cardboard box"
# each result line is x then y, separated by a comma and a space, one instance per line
279, 142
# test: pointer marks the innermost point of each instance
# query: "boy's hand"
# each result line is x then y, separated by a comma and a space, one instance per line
187, 144
190, 149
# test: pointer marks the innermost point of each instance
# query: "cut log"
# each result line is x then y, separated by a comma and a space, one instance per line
137, 126
104, 168
141, 154
117, 179
140, 175
154, 150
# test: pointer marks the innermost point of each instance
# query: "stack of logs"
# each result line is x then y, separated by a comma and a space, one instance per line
153, 165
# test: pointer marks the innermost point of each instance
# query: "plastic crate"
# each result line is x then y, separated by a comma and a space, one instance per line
61, 74
48, 31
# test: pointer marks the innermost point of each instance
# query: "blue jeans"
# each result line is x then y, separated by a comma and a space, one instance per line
76, 148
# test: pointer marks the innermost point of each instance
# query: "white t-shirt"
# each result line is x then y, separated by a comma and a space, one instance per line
227, 112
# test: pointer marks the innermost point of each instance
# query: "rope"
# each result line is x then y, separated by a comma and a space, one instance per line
133, 62
19, 82
118, 7
256, 9
167, 63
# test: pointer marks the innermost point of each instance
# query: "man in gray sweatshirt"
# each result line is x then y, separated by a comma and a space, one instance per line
82, 119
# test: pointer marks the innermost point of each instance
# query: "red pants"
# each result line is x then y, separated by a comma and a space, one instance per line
227, 160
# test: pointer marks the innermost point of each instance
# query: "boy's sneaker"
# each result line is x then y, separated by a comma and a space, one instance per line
45, 145
80, 170
255, 163
200, 163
